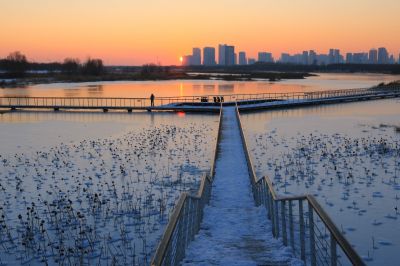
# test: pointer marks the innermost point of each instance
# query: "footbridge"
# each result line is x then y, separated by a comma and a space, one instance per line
237, 219
202, 103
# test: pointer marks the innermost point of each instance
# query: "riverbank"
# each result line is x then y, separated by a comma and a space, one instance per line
46, 78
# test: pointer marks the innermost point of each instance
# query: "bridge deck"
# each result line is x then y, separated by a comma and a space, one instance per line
196, 103
234, 231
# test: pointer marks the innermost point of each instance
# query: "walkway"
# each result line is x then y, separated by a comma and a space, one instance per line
234, 231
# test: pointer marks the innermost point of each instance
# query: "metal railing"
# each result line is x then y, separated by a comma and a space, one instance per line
186, 217
143, 103
301, 222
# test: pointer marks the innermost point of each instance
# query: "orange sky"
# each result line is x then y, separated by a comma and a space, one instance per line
133, 32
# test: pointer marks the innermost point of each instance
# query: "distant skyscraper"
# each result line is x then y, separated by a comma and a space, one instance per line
360, 58
242, 58
398, 62
304, 58
221, 54
209, 56
265, 57
383, 56
334, 56
392, 60
251, 61
373, 56
196, 57
226, 55
349, 58
312, 58
230, 55
285, 58
187, 60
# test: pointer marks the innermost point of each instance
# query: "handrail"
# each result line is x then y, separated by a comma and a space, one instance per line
264, 194
28, 101
185, 219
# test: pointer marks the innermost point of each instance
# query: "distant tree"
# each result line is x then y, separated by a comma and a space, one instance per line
16, 64
93, 67
71, 65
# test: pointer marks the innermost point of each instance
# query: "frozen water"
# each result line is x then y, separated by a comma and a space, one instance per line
348, 156
95, 188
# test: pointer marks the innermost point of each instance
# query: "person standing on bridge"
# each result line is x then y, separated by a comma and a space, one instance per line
152, 99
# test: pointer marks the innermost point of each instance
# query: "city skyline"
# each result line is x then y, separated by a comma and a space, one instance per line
134, 33
227, 57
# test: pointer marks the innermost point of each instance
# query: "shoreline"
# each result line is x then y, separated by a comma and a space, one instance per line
37, 79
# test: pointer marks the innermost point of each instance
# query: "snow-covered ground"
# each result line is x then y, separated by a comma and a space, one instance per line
348, 155
95, 188
234, 231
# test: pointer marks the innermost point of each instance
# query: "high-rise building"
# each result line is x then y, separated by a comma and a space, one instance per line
398, 62
242, 58
312, 58
230, 55
265, 57
392, 60
383, 56
187, 60
221, 54
334, 56
209, 56
373, 56
304, 58
360, 58
196, 57
251, 61
226, 55
349, 58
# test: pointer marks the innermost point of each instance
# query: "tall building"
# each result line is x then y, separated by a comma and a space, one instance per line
187, 60
383, 56
360, 58
312, 58
251, 61
209, 56
373, 56
230, 55
398, 62
285, 58
196, 57
392, 60
304, 58
349, 58
242, 58
226, 55
265, 57
221, 54
334, 56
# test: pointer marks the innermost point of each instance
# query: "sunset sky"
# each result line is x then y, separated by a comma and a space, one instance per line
133, 32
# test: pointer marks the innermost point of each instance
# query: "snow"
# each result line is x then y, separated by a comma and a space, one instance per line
347, 155
234, 231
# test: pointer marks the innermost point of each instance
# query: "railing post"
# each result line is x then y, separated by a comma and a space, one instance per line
284, 230
272, 214
302, 232
312, 235
333, 251
277, 219
291, 231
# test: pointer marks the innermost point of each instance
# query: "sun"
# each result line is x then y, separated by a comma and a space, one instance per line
181, 59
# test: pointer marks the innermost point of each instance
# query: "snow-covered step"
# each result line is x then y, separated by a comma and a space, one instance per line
234, 231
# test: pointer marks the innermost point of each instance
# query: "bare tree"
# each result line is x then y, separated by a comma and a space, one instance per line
93, 67
71, 65
16, 63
